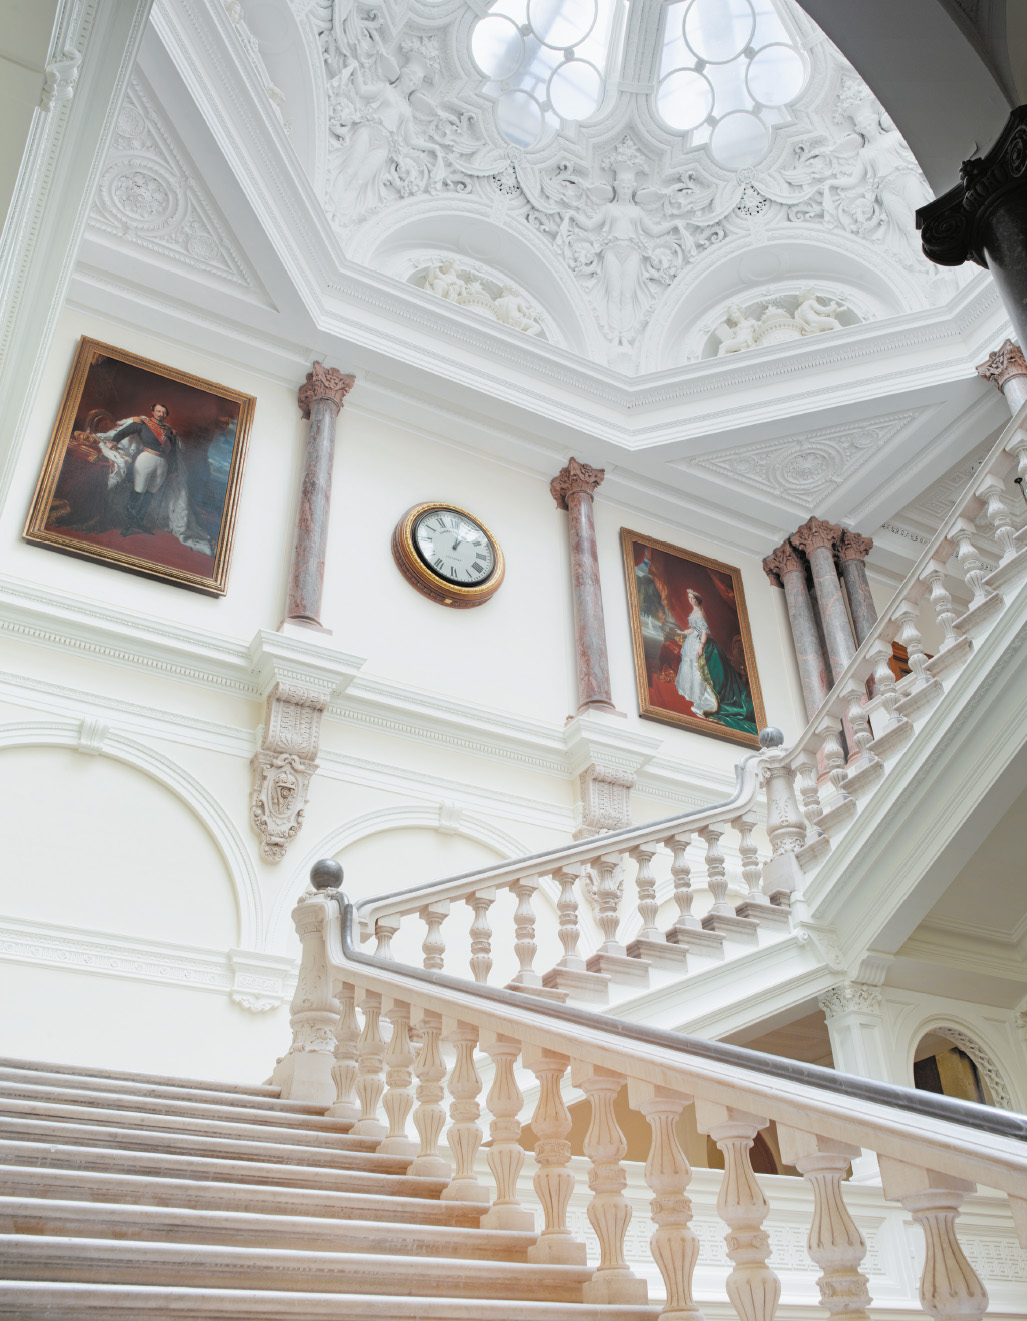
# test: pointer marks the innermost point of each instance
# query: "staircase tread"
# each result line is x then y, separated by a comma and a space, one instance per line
122, 1075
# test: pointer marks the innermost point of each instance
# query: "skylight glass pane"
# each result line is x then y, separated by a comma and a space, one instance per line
719, 30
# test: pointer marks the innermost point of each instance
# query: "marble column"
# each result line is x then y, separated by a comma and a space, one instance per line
1007, 368
852, 552
320, 398
573, 489
785, 569
984, 218
817, 540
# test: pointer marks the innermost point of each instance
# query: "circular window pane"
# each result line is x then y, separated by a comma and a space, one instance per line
684, 99
561, 24
739, 139
719, 30
497, 46
776, 75
520, 118
575, 89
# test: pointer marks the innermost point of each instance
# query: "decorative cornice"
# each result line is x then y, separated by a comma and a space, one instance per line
816, 534
324, 383
577, 478
853, 546
1006, 362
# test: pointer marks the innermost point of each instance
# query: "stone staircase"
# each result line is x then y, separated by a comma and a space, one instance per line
124, 1194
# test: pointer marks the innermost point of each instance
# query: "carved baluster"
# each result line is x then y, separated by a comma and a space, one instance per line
716, 870
674, 1244
941, 600
464, 1111
398, 1102
973, 568
344, 1070
809, 792
752, 1286
859, 723
384, 929
885, 690
950, 1289
906, 615
481, 934
524, 932
749, 852
645, 883
429, 1117
993, 492
834, 1243
609, 1211
682, 874
434, 946
371, 1059
506, 1155
567, 906
608, 895
554, 1182
834, 760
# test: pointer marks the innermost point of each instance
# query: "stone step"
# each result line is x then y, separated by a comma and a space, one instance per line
81, 1302
83, 1185
196, 1144
98, 1261
54, 1154
141, 1120
67, 1219
147, 1080
228, 1109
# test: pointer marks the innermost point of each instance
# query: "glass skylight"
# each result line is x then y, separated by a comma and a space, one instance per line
727, 70
545, 61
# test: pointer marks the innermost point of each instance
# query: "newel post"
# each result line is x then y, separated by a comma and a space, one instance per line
304, 1073
786, 825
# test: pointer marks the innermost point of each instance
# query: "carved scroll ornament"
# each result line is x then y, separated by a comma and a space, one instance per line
284, 765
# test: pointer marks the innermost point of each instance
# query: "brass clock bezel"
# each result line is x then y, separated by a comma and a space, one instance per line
428, 583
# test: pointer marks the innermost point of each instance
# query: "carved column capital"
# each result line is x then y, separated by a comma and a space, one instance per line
854, 546
815, 534
284, 765
324, 383
575, 478
850, 997
1006, 362
781, 561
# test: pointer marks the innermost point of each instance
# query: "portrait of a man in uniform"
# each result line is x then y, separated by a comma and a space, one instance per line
143, 469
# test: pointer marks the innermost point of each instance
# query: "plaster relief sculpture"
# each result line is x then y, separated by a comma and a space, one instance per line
284, 765
500, 302
784, 318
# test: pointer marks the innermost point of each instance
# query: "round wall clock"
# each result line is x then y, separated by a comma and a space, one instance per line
448, 555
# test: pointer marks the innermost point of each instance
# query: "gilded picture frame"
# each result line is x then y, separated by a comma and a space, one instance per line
695, 666
144, 469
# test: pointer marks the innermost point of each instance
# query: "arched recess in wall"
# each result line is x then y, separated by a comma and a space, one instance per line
93, 737
280, 937
933, 1068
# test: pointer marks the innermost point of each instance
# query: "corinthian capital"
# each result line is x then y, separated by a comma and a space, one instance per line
781, 561
850, 997
324, 383
853, 546
815, 534
1006, 362
576, 477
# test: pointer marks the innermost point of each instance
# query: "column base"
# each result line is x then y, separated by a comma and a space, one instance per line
303, 623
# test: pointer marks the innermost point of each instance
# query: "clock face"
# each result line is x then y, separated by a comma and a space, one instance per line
454, 547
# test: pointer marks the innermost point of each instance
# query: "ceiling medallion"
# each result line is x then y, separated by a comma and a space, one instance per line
448, 555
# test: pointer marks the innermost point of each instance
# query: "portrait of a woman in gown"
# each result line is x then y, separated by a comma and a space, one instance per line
707, 679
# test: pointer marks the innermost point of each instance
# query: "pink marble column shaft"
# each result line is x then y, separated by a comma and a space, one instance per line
1007, 368
573, 489
852, 552
817, 540
785, 569
320, 398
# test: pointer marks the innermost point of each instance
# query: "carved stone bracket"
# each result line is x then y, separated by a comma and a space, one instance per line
606, 758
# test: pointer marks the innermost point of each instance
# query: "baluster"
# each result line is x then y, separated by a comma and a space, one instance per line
834, 759
554, 1182
481, 934
809, 792
906, 614
674, 1244
941, 600
971, 565
716, 870
506, 1155
859, 723
609, 1211
886, 692
645, 883
993, 492
524, 933
429, 1117
835, 1242
371, 1058
682, 874
950, 1289
304, 1073
464, 1111
397, 1102
749, 852
567, 906
344, 1070
608, 894
434, 947
384, 929
752, 1286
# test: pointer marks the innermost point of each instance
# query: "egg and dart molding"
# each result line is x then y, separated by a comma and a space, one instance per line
448, 555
